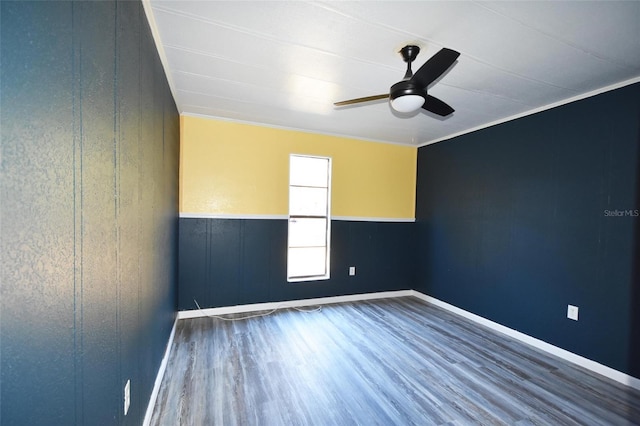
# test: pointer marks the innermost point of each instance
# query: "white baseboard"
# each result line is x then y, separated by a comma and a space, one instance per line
596, 367
159, 376
291, 304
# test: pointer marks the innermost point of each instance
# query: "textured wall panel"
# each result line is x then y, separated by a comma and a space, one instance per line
89, 212
225, 262
512, 226
99, 328
37, 224
128, 127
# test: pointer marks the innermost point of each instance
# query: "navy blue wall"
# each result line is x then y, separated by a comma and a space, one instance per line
513, 226
90, 139
226, 262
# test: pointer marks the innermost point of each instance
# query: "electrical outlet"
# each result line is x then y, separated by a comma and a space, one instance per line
127, 396
352, 270
572, 312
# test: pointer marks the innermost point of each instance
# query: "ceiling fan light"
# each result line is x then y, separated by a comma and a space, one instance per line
407, 103
406, 96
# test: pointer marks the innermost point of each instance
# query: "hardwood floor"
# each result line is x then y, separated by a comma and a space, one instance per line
383, 362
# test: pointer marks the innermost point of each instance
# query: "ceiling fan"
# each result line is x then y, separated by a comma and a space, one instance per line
410, 94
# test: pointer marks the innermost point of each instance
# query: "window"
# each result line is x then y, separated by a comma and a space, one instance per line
309, 218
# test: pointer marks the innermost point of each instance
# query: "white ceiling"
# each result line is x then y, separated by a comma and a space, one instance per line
284, 63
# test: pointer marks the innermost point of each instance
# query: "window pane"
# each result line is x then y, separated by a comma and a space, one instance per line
307, 232
306, 262
309, 171
309, 222
307, 201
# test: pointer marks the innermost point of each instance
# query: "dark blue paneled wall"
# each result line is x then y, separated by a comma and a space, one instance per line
227, 262
519, 220
90, 139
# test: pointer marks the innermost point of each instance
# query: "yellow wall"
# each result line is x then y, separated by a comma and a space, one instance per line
241, 169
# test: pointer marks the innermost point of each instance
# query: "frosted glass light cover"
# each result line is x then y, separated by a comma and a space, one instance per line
407, 103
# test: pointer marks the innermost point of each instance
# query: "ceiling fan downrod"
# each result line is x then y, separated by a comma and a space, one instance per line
409, 54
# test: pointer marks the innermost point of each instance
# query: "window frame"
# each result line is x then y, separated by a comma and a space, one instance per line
327, 217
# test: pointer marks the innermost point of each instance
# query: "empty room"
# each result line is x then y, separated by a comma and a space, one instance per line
320, 213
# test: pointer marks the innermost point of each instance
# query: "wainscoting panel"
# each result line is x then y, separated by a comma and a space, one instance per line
226, 262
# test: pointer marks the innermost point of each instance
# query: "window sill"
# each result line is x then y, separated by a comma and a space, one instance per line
306, 279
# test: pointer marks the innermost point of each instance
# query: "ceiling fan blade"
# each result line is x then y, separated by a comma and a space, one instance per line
435, 67
436, 106
358, 100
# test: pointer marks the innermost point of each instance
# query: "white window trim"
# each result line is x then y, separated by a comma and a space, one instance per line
327, 275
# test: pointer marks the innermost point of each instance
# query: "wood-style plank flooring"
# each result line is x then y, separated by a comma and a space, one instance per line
383, 362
